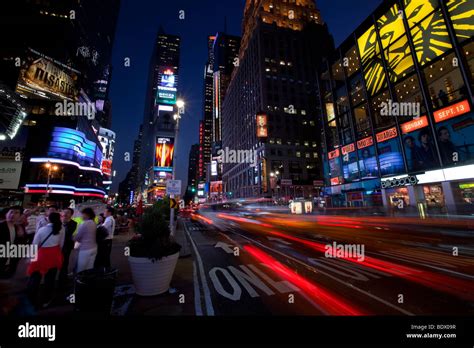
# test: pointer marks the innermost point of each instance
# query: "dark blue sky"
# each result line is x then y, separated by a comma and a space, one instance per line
136, 30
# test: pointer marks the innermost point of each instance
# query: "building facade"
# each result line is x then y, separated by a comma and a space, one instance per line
157, 145
398, 120
270, 107
59, 71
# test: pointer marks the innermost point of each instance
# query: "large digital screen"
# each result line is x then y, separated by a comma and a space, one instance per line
70, 144
462, 16
42, 77
167, 86
164, 151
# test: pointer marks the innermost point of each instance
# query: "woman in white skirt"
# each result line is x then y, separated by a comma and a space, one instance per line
86, 236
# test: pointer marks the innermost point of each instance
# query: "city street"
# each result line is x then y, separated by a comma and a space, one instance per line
276, 264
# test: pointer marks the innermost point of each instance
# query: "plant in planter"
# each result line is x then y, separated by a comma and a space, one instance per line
153, 254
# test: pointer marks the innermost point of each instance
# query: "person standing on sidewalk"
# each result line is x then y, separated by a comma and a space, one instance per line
69, 228
104, 247
43, 219
86, 237
11, 233
49, 240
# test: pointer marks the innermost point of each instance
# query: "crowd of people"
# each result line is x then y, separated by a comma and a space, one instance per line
55, 234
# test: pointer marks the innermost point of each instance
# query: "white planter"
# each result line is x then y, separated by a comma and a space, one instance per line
152, 278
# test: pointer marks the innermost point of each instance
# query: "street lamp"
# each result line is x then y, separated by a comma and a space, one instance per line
180, 104
50, 168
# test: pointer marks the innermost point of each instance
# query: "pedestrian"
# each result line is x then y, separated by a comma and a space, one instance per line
31, 218
43, 218
69, 228
11, 233
443, 97
104, 246
49, 240
86, 237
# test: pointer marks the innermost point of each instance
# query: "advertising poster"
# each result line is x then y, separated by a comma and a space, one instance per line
164, 151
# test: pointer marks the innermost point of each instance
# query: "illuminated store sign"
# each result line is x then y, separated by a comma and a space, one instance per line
365, 142
414, 125
262, 128
407, 181
452, 111
387, 134
334, 154
70, 144
348, 149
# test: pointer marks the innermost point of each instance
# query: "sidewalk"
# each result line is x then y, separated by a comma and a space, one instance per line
125, 301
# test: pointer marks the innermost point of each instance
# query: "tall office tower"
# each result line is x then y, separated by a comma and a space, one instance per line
271, 106
65, 52
192, 166
156, 162
226, 52
206, 136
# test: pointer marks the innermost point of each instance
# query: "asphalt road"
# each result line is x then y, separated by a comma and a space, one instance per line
281, 264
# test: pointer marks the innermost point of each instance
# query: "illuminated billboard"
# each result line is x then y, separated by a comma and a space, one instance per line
106, 167
167, 86
70, 144
43, 77
262, 128
164, 150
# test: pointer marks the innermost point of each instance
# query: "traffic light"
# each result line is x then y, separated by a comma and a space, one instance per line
193, 189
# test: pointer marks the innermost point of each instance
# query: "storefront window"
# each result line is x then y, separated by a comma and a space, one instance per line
430, 38
362, 121
357, 90
367, 160
434, 198
376, 105
350, 166
469, 53
455, 134
346, 129
332, 138
445, 82
399, 59
418, 141
409, 95
463, 193
342, 100
335, 167
390, 156
398, 198
351, 62
462, 16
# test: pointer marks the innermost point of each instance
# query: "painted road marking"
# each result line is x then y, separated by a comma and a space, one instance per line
197, 292
279, 240
327, 274
248, 280
205, 285
226, 247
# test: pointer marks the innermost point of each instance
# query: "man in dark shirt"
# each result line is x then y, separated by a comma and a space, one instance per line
10, 233
69, 229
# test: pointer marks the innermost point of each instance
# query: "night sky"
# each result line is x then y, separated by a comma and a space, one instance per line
136, 30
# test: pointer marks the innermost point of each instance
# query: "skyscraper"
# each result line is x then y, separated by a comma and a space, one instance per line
271, 106
156, 162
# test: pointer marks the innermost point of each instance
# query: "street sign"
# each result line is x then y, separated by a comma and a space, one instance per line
286, 182
318, 183
173, 187
173, 203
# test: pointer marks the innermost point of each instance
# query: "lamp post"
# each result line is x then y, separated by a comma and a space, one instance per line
180, 104
50, 168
